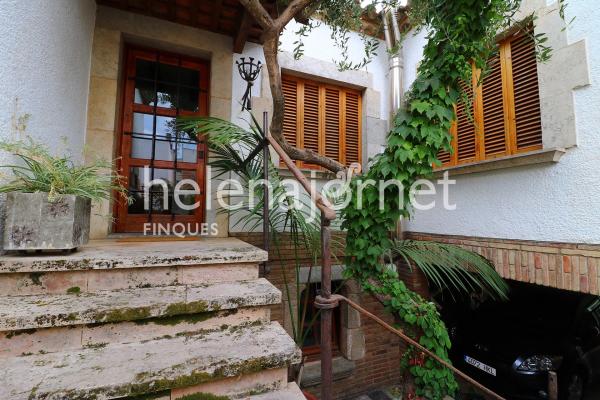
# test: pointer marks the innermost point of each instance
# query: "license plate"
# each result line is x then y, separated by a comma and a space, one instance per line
480, 365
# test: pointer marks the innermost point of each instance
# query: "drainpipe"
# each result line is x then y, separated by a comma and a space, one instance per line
393, 42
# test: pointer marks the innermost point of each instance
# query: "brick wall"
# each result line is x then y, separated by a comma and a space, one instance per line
568, 266
380, 365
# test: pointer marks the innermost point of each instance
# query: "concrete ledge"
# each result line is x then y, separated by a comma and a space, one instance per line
534, 157
112, 254
45, 311
116, 371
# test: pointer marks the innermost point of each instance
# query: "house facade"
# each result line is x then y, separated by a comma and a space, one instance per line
532, 211
107, 78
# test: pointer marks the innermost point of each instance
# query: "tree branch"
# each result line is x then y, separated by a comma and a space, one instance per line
270, 49
293, 9
259, 13
271, 31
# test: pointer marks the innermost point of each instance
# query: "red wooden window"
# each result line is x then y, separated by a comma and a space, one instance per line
158, 88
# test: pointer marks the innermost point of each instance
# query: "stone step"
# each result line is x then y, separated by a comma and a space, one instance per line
45, 311
291, 392
115, 254
138, 368
111, 265
52, 340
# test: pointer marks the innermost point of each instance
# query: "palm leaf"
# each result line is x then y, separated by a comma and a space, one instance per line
451, 267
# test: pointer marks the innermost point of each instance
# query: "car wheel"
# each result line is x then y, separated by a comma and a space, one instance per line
575, 387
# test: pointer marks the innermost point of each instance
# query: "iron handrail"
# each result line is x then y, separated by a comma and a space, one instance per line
327, 301
321, 202
335, 298
328, 214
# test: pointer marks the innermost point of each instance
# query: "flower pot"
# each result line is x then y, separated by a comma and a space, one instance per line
35, 223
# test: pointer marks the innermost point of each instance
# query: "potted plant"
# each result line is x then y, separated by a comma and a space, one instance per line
48, 200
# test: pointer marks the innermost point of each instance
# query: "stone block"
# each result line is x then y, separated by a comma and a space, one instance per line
34, 223
267, 380
372, 103
131, 278
377, 131
105, 53
216, 273
102, 103
352, 343
350, 317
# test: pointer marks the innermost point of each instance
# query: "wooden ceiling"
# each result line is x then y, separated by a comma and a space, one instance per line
227, 17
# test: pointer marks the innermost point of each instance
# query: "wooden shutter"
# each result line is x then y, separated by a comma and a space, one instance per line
528, 122
332, 123
310, 134
352, 121
290, 117
494, 128
466, 146
506, 116
323, 118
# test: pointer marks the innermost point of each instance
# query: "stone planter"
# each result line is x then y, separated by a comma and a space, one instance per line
34, 223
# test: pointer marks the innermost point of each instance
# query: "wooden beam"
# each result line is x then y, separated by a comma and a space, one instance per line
242, 34
216, 14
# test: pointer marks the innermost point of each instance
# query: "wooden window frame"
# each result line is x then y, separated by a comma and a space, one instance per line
342, 119
508, 101
125, 222
314, 350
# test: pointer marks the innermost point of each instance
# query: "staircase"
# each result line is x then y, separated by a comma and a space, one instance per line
142, 320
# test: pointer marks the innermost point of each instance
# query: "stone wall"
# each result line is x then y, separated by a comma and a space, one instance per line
568, 266
373, 353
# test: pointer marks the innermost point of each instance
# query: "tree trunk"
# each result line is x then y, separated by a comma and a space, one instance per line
271, 31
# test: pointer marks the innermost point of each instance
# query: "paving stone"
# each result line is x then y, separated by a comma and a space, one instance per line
43, 311
138, 368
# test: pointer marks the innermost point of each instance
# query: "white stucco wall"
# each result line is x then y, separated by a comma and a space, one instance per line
45, 53
412, 52
550, 202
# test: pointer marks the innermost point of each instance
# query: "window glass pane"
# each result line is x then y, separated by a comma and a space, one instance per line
139, 176
186, 152
185, 199
188, 99
145, 69
141, 143
167, 95
167, 73
189, 77
144, 92
137, 205
166, 139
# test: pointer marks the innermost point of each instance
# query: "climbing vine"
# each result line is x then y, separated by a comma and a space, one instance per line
460, 32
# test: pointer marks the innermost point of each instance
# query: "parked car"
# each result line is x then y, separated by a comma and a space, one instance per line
510, 346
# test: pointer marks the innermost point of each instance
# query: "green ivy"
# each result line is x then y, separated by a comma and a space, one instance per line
459, 32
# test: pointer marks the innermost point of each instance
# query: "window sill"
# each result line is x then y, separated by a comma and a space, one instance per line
518, 160
311, 376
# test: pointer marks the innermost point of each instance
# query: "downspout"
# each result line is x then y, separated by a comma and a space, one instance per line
395, 73
393, 43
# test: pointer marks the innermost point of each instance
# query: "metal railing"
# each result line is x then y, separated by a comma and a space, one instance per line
327, 301
328, 214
